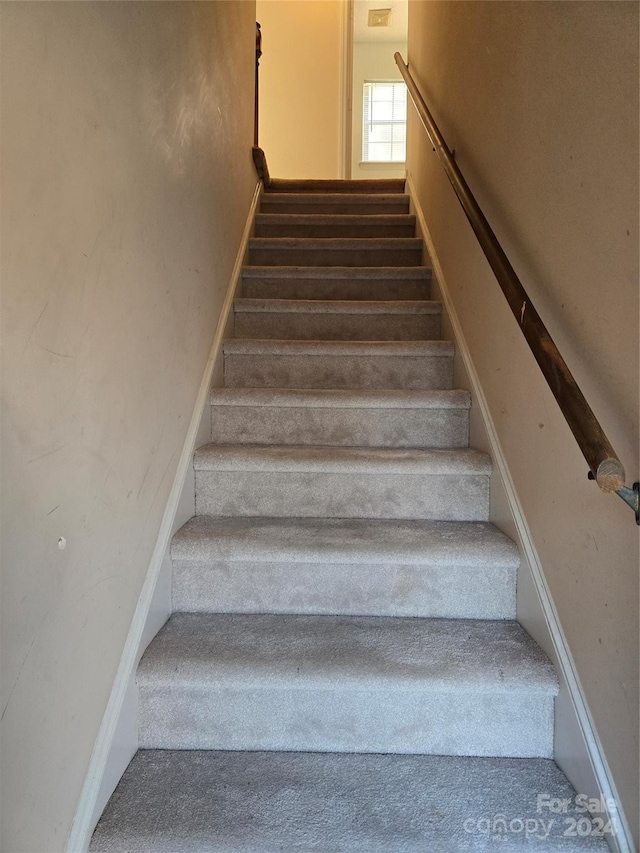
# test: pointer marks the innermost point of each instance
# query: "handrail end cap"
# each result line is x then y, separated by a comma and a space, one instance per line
610, 475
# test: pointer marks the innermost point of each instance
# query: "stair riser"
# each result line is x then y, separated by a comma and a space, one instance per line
316, 257
342, 719
336, 229
344, 207
336, 185
319, 371
335, 327
381, 589
340, 427
452, 497
305, 288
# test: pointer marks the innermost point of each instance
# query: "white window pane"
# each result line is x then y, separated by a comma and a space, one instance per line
382, 111
382, 91
381, 133
384, 122
379, 151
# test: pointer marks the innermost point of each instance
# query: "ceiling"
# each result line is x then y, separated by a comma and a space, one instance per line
397, 29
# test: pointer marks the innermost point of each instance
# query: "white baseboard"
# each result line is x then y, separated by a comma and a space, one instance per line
605, 788
117, 739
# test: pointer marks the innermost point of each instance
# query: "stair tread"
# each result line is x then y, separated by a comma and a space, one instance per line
336, 306
267, 346
340, 460
322, 540
358, 652
366, 273
263, 802
337, 243
351, 283
347, 399
345, 364
359, 567
335, 219
338, 198
361, 418
332, 224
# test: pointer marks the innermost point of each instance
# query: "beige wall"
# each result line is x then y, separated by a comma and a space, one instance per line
540, 101
126, 181
372, 61
301, 98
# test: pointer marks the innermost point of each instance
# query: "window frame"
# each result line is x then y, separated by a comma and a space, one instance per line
367, 86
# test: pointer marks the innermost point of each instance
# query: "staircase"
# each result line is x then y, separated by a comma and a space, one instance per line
343, 670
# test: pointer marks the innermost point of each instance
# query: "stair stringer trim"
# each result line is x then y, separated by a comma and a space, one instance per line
584, 732
117, 738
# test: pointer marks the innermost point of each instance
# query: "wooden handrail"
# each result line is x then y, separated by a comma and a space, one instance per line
601, 458
259, 158
256, 102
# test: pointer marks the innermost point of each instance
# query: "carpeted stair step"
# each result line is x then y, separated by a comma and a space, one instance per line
342, 482
346, 684
362, 567
351, 204
269, 802
385, 186
342, 670
317, 319
331, 225
336, 251
411, 365
368, 283
340, 418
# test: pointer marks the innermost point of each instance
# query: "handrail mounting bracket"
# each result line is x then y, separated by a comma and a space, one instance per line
632, 497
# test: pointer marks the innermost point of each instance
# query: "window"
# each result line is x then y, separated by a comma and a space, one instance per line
384, 122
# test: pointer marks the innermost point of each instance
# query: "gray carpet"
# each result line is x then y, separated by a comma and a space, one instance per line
346, 684
265, 802
343, 623
342, 482
284, 282
344, 566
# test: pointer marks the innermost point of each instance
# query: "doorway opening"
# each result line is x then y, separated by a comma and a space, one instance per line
378, 95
